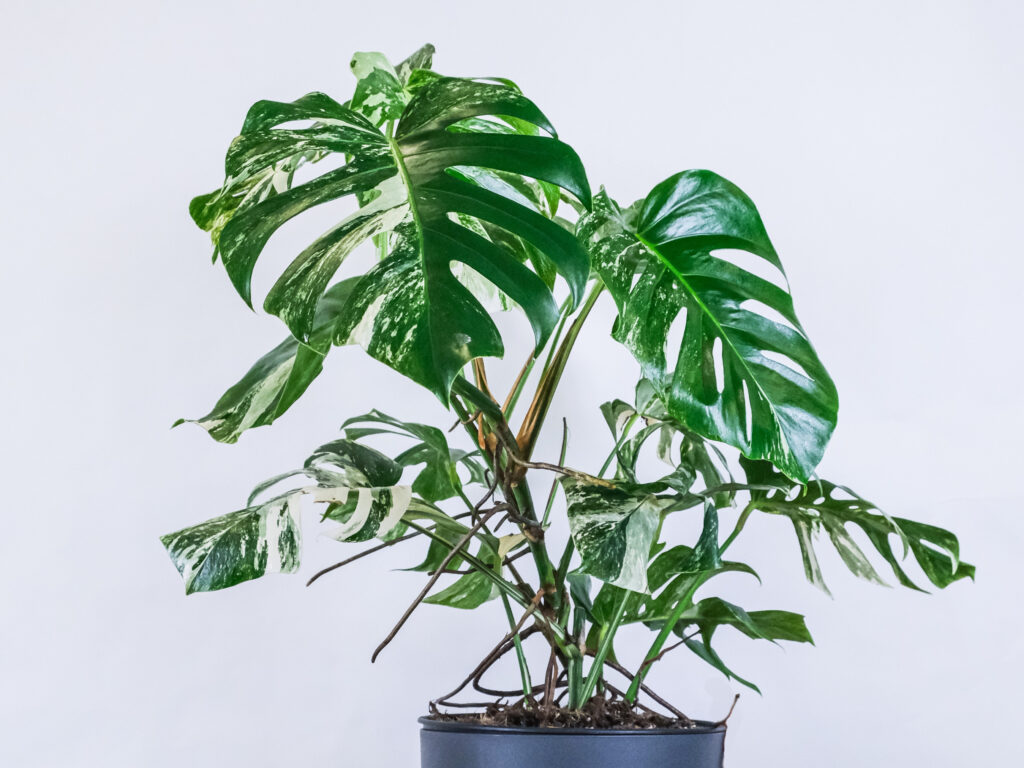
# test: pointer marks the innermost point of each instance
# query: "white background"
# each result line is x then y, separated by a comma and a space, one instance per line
882, 143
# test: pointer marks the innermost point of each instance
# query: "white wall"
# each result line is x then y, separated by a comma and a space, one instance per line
882, 142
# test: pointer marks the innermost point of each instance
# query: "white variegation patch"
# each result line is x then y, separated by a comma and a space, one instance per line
394, 500
507, 543
613, 530
237, 547
266, 538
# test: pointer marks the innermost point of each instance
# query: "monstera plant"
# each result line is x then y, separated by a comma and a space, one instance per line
473, 206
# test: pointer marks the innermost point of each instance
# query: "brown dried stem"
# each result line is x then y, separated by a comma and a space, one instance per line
433, 579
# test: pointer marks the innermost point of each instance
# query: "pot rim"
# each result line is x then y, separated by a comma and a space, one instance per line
702, 728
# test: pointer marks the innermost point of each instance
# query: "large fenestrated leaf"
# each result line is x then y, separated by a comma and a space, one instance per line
277, 379
772, 398
410, 311
821, 506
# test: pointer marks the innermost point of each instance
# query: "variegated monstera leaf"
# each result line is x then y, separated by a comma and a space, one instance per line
360, 485
613, 528
824, 507
453, 179
745, 372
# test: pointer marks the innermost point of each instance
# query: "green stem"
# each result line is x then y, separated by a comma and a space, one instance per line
742, 521
563, 562
685, 602
554, 483
557, 335
558, 633
552, 375
520, 492
663, 636
604, 647
574, 667
524, 667
618, 444
552, 344
545, 570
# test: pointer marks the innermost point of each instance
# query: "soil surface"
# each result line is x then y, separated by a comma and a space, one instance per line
596, 713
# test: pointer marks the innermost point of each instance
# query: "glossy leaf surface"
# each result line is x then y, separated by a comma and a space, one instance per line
237, 547
277, 379
410, 311
613, 529
745, 372
359, 485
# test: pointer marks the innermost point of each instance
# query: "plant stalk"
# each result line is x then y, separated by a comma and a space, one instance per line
524, 667
662, 638
604, 647
534, 419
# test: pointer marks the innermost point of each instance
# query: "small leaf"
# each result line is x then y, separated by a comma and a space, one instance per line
277, 379
467, 592
703, 649
237, 547
470, 590
613, 530
507, 543
438, 480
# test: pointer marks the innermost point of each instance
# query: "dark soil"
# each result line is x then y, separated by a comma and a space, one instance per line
599, 712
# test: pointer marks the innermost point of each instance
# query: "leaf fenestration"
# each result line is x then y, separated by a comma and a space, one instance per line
741, 375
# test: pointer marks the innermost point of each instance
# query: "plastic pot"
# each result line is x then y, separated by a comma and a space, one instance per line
468, 745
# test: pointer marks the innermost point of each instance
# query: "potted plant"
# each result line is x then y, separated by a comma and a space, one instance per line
473, 205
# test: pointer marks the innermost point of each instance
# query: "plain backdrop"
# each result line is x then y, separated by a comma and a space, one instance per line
882, 143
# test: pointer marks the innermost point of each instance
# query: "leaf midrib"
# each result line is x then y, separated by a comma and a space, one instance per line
721, 331
403, 171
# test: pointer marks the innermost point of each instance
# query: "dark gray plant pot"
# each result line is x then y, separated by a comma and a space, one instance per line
463, 745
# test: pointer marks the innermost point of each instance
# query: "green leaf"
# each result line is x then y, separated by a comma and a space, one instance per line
711, 613
936, 550
410, 311
781, 625
672, 575
420, 59
470, 590
824, 506
360, 487
633, 426
467, 592
278, 378
703, 649
237, 547
380, 95
613, 530
365, 512
447, 535
438, 480
770, 397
